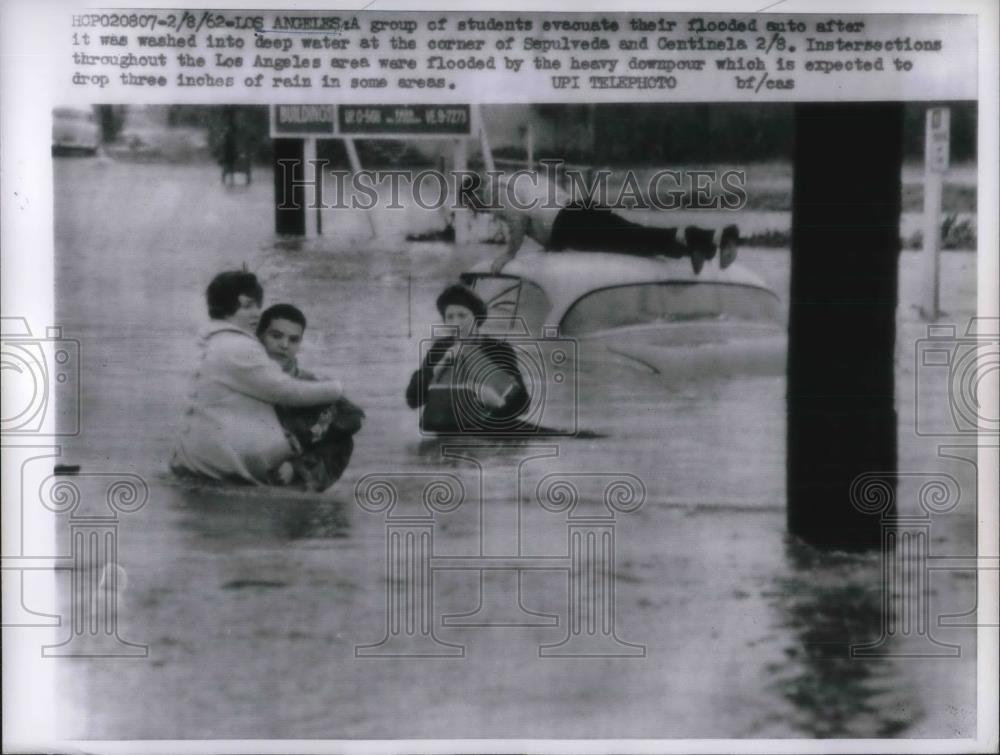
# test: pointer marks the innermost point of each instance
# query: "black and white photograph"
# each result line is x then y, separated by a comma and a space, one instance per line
501, 425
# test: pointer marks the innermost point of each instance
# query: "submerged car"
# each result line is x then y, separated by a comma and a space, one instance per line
75, 130
650, 314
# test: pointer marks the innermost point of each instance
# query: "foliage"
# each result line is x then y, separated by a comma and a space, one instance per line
250, 125
685, 133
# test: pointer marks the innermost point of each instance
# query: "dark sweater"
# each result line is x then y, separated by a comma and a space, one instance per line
500, 357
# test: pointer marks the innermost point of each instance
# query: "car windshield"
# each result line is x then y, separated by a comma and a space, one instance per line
514, 305
645, 303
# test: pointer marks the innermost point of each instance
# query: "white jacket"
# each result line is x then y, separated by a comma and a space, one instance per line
230, 430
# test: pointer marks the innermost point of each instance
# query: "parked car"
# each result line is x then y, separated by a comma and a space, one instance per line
75, 130
650, 314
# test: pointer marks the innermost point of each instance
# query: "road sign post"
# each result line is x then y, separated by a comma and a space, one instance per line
314, 176
936, 148
462, 219
296, 129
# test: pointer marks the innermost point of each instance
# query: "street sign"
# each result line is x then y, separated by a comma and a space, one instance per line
388, 121
938, 139
371, 121
301, 121
306, 124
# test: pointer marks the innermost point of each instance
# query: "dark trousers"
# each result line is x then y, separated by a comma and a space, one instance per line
323, 464
324, 440
601, 230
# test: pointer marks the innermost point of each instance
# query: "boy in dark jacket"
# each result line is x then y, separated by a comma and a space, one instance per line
322, 436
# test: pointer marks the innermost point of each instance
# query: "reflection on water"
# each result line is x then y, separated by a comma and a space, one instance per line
493, 450
239, 584
830, 601
242, 514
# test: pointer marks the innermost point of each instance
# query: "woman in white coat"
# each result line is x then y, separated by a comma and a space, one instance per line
230, 431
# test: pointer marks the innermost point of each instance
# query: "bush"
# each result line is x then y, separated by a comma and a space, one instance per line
958, 233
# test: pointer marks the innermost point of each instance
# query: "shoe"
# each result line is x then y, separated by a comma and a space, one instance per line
697, 260
728, 243
701, 240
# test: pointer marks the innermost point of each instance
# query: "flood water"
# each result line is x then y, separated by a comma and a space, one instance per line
254, 603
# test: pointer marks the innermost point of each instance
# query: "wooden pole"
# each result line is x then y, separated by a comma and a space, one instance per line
314, 223
355, 161
846, 206
289, 196
460, 163
484, 141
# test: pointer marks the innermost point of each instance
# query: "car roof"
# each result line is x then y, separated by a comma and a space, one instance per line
567, 276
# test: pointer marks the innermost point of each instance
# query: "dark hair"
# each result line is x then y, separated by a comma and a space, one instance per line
223, 293
280, 312
463, 296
